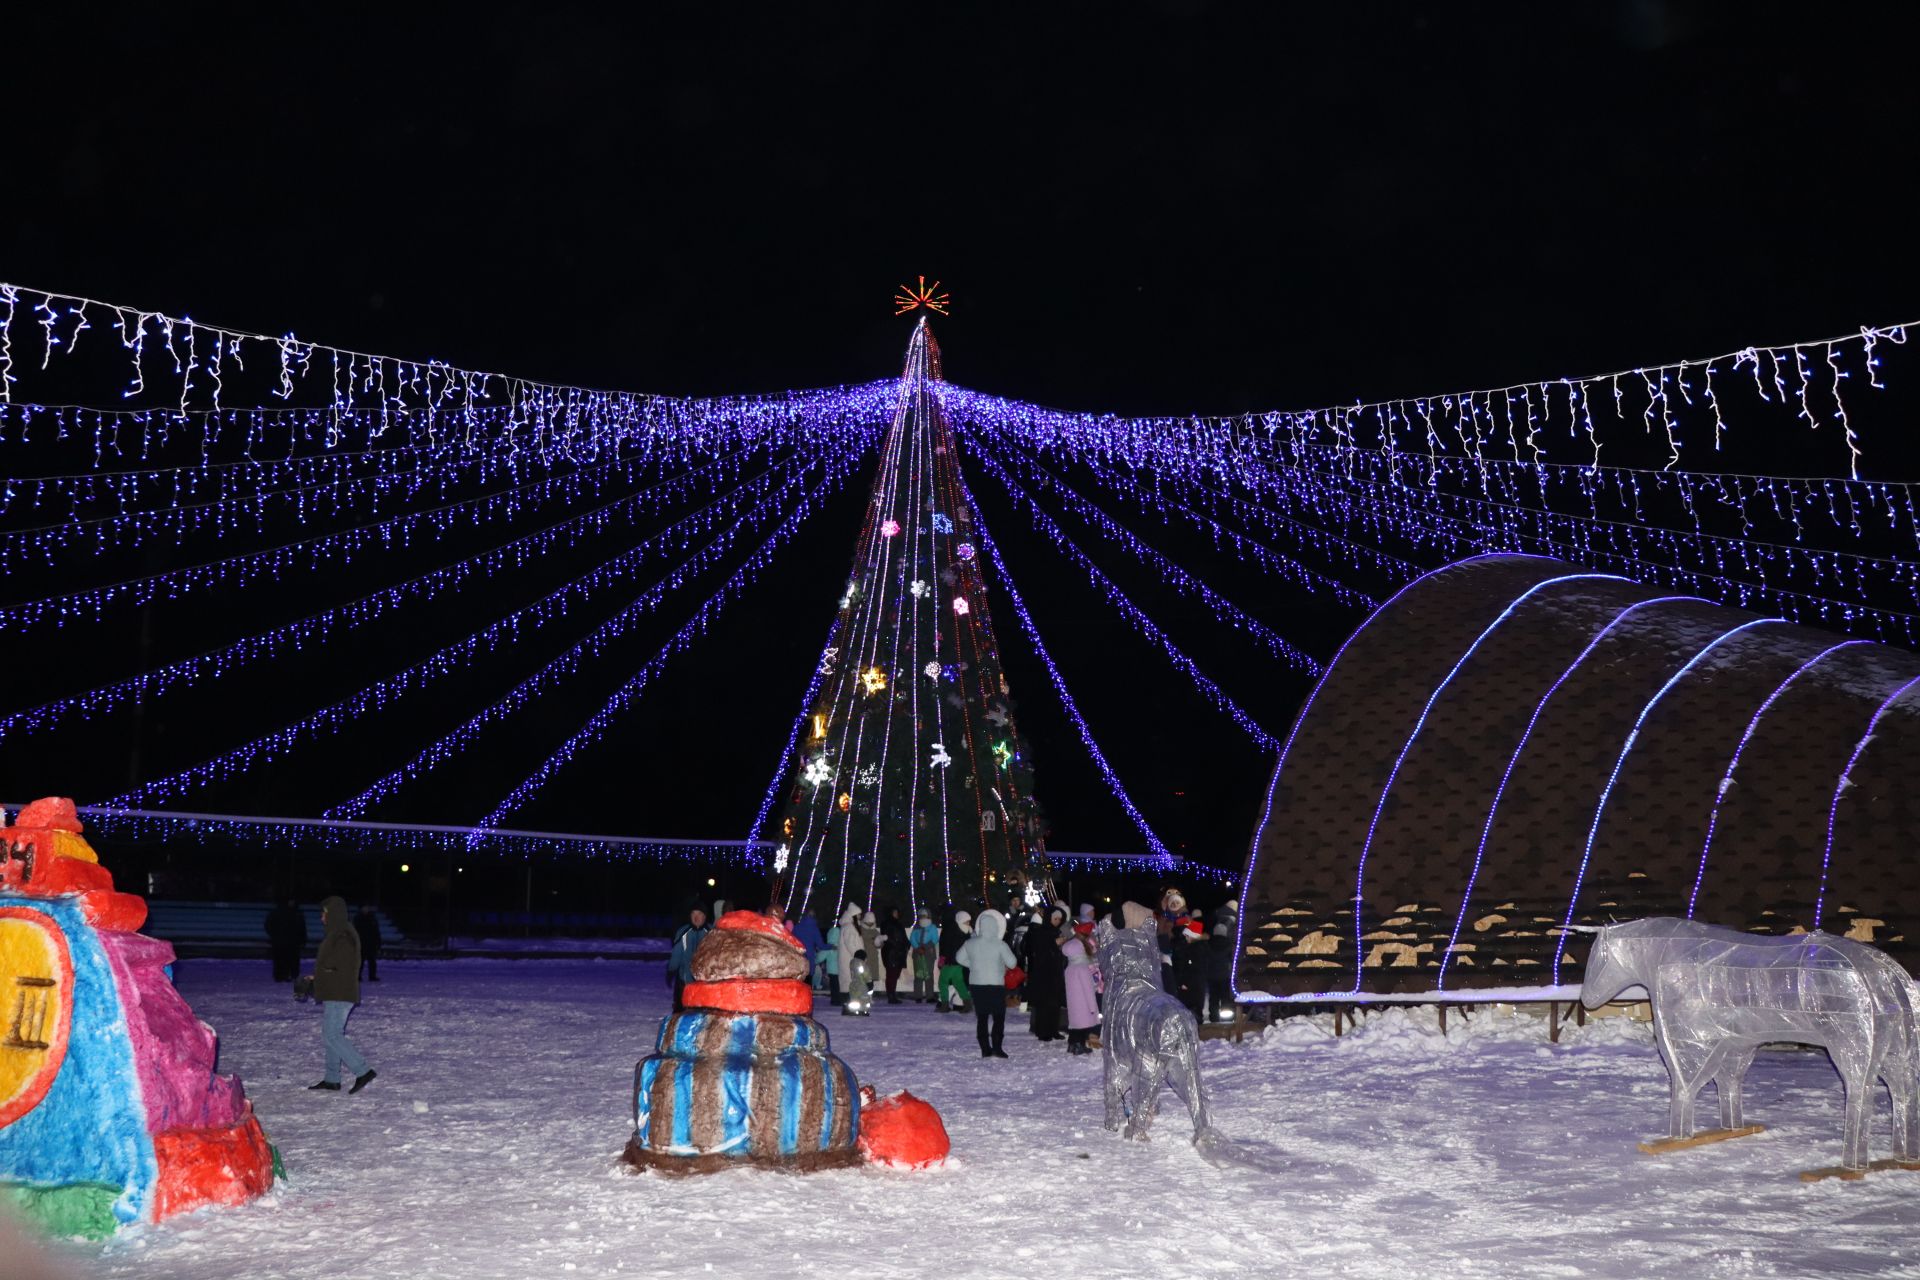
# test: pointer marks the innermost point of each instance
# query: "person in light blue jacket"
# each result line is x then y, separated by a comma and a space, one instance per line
986, 959
924, 938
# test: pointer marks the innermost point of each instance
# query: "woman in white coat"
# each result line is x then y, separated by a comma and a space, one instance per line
1083, 1004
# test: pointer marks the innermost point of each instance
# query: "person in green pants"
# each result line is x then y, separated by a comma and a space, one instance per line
953, 975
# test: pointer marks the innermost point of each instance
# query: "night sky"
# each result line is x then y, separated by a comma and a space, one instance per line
1180, 207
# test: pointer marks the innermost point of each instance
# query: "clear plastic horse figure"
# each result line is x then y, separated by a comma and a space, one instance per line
1718, 995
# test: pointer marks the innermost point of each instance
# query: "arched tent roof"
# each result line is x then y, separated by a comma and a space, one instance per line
1513, 743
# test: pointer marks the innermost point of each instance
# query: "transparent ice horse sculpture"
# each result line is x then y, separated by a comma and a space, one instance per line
1147, 1038
1718, 995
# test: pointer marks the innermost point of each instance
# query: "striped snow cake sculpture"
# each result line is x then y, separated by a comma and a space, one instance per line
110, 1109
744, 1077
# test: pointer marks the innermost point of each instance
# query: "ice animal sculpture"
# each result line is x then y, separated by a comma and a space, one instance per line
1719, 994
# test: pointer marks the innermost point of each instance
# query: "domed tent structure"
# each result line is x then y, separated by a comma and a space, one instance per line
1513, 745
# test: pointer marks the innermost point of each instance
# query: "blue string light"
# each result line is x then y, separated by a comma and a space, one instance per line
1380, 806
1170, 573
1726, 780
1606, 792
1060, 686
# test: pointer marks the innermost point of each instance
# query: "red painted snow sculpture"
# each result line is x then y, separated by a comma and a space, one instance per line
902, 1131
110, 1109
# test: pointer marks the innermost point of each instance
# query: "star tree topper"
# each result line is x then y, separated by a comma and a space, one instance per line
913, 298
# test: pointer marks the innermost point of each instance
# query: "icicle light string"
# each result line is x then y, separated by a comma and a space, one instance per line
1246, 549
305, 632
693, 429
1805, 380
55, 548
630, 692
269, 564
1613, 545
1154, 843
450, 745
1743, 571
120, 532
510, 629
1181, 581
305, 836
186, 365
1203, 513
1846, 510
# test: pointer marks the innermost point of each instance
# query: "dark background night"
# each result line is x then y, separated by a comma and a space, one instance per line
1169, 208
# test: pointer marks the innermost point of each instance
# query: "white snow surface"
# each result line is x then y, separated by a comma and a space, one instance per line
487, 1148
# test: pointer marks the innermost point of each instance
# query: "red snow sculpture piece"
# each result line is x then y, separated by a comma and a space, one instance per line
902, 1130
750, 995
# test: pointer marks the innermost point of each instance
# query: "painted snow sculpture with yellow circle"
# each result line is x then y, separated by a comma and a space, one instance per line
110, 1109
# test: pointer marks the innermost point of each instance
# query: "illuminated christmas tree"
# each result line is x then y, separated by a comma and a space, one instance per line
911, 786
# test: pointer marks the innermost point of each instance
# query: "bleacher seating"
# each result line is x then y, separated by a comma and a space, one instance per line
578, 923
239, 928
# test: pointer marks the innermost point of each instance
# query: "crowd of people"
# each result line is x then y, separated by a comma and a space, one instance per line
982, 961
985, 961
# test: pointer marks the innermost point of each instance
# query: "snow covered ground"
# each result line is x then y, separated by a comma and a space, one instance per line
486, 1149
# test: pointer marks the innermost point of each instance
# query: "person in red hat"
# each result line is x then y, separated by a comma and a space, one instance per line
1190, 951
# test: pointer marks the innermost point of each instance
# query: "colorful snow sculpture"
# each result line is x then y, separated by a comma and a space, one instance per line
744, 1077
110, 1109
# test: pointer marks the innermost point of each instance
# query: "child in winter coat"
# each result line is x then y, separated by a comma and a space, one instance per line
986, 959
1226, 931
953, 978
1083, 1001
924, 939
856, 964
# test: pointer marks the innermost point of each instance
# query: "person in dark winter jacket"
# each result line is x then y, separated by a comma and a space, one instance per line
986, 959
807, 930
367, 925
336, 985
286, 939
1189, 970
1046, 967
1220, 944
686, 941
893, 952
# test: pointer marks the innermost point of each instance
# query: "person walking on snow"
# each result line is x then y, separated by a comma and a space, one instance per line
336, 985
986, 959
952, 977
1083, 1000
924, 939
680, 961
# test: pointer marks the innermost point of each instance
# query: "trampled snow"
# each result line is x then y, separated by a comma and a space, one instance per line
487, 1148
